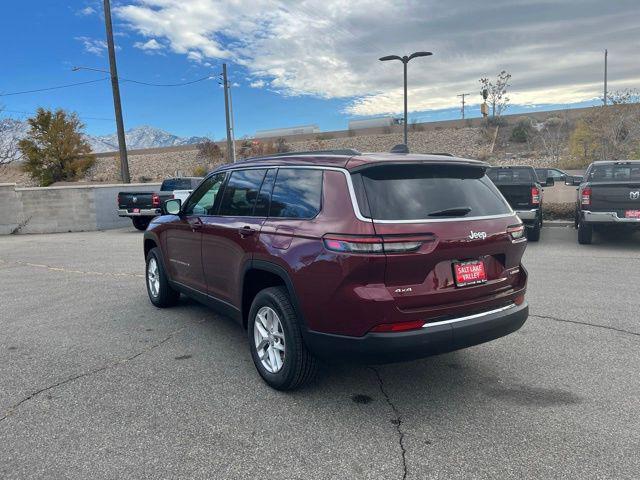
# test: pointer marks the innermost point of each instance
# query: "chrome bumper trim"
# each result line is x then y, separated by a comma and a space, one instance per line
527, 214
469, 317
606, 217
153, 212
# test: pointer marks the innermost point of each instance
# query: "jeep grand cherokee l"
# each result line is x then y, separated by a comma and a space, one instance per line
379, 257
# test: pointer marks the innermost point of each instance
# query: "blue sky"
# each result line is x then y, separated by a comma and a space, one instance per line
304, 62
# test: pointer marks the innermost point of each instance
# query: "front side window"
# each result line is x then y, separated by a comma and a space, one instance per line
240, 193
297, 193
203, 200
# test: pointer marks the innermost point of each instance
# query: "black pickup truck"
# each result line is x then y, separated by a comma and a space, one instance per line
608, 196
142, 207
522, 189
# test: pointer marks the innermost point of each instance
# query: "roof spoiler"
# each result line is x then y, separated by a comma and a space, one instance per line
400, 148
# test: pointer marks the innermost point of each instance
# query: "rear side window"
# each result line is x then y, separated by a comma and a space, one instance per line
240, 193
417, 192
297, 193
172, 184
512, 175
613, 173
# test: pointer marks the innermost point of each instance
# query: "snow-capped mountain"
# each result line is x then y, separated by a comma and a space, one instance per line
138, 137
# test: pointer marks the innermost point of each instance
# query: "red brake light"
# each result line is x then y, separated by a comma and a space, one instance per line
585, 199
519, 300
155, 200
398, 327
535, 196
372, 244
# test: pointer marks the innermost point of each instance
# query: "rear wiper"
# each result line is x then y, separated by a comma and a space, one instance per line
451, 212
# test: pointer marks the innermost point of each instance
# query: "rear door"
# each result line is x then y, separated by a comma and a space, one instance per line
230, 235
433, 217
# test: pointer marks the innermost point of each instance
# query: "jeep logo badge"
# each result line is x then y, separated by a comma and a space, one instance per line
634, 195
477, 235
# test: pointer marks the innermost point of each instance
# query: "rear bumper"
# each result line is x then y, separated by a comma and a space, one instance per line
527, 215
607, 217
432, 339
146, 212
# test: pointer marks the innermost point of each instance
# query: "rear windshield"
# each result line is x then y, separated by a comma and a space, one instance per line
512, 175
176, 184
415, 192
615, 173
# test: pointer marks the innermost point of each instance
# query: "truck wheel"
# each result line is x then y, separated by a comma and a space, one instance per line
533, 233
141, 223
160, 292
585, 233
275, 341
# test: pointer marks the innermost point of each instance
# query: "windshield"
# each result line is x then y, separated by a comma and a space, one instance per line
415, 192
615, 173
512, 175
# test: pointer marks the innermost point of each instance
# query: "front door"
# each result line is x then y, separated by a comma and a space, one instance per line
184, 237
229, 238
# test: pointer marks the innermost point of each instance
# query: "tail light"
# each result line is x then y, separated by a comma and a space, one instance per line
155, 200
516, 232
398, 327
535, 196
585, 198
372, 244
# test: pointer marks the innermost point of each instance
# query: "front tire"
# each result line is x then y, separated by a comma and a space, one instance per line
585, 233
140, 223
275, 341
160, 292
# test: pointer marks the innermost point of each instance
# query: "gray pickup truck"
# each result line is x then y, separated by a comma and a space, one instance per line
142, 207
608, 197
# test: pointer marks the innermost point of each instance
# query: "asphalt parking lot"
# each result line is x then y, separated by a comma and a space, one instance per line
97, 383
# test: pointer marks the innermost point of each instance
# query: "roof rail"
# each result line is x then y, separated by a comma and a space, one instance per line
441, 154
345, 151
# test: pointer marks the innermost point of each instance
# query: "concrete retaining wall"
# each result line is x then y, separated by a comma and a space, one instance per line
63, 209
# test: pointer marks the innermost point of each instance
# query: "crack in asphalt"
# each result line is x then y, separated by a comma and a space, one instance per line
397, 421
120, 361
69, 270
595, 325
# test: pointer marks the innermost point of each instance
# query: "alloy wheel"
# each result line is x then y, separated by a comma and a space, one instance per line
269, 339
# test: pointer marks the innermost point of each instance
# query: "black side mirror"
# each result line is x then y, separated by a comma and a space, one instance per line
573, 181
550, 182
172, 206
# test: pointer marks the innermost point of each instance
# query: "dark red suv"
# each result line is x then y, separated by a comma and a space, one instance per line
379, 257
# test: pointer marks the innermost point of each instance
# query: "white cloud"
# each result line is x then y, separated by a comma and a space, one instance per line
329, 48
258, 84
86, 11
149, 46
94, 46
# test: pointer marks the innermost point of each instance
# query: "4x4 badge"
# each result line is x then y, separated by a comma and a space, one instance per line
634, 195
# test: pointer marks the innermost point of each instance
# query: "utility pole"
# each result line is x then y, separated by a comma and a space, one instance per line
231, 151
233, 124
605, 76
463, 95
122, 145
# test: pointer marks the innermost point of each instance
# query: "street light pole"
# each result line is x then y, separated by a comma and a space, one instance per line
230, 142
122, 145
405, 60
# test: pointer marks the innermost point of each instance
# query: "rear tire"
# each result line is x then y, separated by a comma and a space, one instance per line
141, 223
585, 233
533, 233
160, 292
277, 348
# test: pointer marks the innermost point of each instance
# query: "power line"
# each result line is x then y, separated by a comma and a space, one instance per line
166, 84
53, 88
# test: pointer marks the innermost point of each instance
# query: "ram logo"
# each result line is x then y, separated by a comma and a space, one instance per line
634, 195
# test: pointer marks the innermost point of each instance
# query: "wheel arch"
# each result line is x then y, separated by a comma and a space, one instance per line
260, 274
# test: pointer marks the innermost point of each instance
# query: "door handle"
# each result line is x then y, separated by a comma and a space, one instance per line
196, 224
246, 231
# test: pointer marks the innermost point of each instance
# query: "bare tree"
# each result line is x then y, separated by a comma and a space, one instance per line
9, 150
497, 92
210, 152
552, 136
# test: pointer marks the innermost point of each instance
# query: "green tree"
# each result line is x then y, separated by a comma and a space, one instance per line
54, 148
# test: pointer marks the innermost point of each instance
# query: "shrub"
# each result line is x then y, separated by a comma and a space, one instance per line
199, 171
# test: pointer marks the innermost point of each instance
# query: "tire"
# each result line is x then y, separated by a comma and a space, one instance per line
585, 233
288, 364
161, 294
141, 223
533, 233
